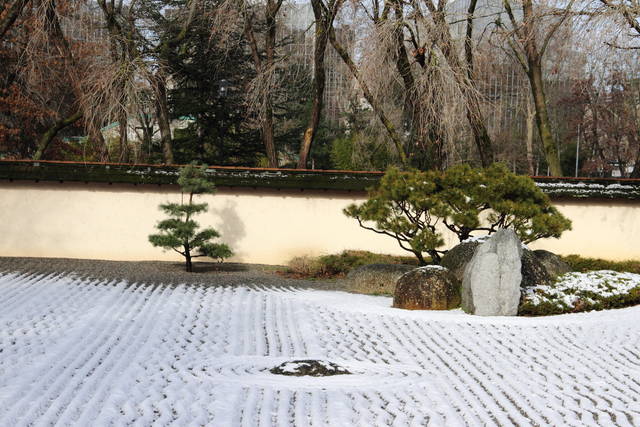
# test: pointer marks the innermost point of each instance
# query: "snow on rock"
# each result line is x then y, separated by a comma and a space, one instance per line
484, 238
89, 353
431, 267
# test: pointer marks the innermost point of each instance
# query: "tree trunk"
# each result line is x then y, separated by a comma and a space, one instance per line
72, 66
377, 108
635, 173
124, 138
164, 122
479, 130
435, 257
426, 126
542, 118
187, 257
320, 48
478, 127
268, 135
418, 255
51, 133
531, 115
270, 51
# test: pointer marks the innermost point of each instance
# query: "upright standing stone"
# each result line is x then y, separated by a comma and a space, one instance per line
491, 283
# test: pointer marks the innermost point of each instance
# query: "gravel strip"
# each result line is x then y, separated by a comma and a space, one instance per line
171, 273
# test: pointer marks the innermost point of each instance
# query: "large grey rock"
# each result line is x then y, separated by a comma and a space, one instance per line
554, 265
427, 288
533, 271
538, 267
376, 278
457, 258
491, 283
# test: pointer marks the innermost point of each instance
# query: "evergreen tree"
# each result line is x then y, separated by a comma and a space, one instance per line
410, 205
180, 232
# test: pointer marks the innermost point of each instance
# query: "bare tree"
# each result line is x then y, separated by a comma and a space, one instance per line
48, 31
373, 101
437, 80
324, 14
528, 36
437, 20
264, 61
160, 78
121, 25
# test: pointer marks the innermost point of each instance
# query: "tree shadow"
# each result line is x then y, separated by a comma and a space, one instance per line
231, 228
209, 267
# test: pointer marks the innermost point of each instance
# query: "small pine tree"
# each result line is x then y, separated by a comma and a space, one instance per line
180, 232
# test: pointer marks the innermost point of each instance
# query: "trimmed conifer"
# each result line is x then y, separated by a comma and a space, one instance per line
180, 232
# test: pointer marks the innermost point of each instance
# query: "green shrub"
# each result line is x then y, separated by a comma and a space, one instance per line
409, 205
578, 263
336, 265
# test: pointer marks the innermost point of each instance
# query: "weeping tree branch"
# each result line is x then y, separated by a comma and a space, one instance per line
375, 105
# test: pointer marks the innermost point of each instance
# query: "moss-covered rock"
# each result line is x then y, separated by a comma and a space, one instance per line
427, 288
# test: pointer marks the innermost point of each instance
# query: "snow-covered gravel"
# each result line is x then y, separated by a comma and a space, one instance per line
77, 352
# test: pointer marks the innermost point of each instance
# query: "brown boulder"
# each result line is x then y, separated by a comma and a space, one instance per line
427, 288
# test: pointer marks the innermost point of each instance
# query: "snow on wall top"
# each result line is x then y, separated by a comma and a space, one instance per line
279, 178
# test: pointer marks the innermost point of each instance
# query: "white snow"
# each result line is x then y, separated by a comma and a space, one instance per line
572, 287
480, 239
74, 352
484, 238
432, 267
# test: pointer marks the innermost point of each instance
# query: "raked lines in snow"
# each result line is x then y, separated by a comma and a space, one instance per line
81, 352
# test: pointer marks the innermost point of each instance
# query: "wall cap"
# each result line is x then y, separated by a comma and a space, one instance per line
299, 179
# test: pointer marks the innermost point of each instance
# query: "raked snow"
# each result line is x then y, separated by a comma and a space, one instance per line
74, 352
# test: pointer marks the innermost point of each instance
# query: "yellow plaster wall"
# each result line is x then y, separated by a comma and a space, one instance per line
100, 221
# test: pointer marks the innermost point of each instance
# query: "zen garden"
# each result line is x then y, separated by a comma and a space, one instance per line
319, 213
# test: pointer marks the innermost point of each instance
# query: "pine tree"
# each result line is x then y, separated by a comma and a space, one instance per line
180, 232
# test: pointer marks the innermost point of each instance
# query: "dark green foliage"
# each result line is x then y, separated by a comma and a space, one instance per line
404, 207
409, 205
512, 201
362, 145
180, 232
358, 151
210, 72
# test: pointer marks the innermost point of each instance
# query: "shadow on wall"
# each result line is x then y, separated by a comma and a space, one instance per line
231, 228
